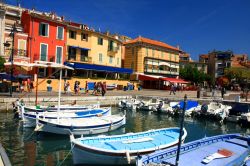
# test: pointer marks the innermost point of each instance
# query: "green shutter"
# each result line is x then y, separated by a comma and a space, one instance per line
43, 52
59, 55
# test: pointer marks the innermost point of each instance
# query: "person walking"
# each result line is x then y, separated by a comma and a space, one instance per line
86, 87
222, 92
104, 88
172, 89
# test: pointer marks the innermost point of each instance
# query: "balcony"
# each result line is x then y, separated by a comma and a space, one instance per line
86, 59
112, 51
18, 54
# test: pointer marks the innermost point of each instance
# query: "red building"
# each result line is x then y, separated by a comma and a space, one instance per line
46, 37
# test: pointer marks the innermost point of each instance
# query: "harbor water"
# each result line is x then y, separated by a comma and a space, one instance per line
25, 147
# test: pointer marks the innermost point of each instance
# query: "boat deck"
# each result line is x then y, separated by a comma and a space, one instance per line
195, 157
134, 142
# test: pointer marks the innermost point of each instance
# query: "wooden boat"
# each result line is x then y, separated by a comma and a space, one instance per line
80, 126
62, 108
222, 150
122, 149
29, 118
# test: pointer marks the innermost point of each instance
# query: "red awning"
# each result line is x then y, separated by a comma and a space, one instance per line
174, 80
147, 78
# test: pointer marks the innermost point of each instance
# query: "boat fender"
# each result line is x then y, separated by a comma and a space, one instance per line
128, 157
99, 115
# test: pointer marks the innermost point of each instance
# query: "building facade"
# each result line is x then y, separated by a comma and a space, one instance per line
47, 37
11, 24
152, 57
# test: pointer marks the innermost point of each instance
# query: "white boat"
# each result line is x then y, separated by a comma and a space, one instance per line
130, 104
122, 149
217, 109
149, 105
81, 126
29, 118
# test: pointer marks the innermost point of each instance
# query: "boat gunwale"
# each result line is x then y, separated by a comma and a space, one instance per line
40, 115
124, 151
45, 121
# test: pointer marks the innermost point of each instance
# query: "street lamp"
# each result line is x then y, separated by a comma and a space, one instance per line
7, 44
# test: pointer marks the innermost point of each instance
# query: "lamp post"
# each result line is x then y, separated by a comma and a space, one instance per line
13, 31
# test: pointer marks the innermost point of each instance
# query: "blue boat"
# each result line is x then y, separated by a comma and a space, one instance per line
122, 149
190, 107
222, 150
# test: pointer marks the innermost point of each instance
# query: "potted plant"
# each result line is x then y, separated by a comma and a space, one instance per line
49, 88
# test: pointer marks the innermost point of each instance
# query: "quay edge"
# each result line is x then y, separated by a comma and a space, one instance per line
6, 103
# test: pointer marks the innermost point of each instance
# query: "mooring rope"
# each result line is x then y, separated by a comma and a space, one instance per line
59, 164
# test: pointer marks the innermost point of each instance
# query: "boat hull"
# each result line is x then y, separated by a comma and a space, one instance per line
82, 130
89, 154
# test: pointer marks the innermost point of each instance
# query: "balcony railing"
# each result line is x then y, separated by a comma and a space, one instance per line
161, 71
17, 52
113, 49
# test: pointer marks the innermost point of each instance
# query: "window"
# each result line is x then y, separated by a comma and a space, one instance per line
22, 47
43, 52
71, 53
44, 29
111, 45
60, 31
118, 61
59, 51
84, 36
84, 55
132, 65
100, 41
146, 51
72, 34
175, 57
169, 56
100, 57
153, 52
111, 59
162, 54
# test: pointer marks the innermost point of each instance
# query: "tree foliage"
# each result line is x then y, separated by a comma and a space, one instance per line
2, 61
194, 75
237, 74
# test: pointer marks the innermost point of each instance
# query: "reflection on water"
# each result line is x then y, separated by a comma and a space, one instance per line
25, 147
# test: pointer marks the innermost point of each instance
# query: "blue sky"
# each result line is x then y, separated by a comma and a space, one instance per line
198, 26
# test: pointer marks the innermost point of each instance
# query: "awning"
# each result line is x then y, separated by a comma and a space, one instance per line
144, 77
82, 48
7, 76
174, 80
98, 67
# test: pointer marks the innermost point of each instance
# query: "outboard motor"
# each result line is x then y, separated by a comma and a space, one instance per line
159, 107
204, 108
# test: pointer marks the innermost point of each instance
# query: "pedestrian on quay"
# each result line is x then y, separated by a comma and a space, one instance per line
172, 89
222, 92
86, 87
104, 88
68, 88
28, 85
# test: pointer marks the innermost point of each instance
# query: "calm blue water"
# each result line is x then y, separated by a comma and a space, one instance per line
24, 147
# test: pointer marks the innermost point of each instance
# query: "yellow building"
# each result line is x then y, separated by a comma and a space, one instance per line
88, 46
152, 57
93, 54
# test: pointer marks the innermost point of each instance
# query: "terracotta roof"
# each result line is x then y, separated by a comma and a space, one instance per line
153, 42
204, 56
